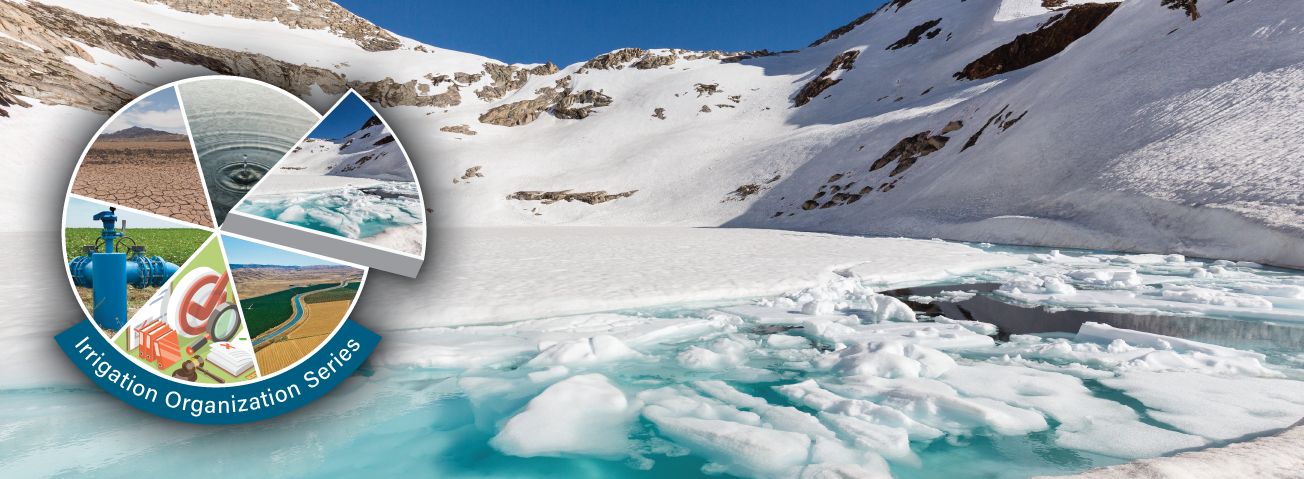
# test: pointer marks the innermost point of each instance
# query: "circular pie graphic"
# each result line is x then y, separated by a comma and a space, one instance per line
218, 229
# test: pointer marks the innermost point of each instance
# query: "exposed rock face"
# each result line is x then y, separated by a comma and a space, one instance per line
705, 89
71, 87
1187, 5
651, 61
521, 112
843, 30
463, 129
310, 15
550, 197
952, 126
472, 172
559, 99
705, 109
565, 108
614, 60
845, 61
466, 78
57, 83
659, 113
912, 37
1053, 3
910, 150
1030, 48
742, 192
507, 78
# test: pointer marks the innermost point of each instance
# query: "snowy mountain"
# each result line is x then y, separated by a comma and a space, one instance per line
1146, 125
369, 152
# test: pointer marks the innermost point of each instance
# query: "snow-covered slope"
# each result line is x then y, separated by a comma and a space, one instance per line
369, 152
1153, 132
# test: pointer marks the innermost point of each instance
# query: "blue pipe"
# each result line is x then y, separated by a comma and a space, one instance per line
109, 273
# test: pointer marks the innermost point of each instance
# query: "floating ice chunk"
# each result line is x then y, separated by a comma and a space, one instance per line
1277, 290
732, 440
1199, 272
553, 372
581, 415
1053, 256
1217, 407
783, 341
810, 394
1106, 334
1175, 258
817, 307
721, 354
1087, 422
1248, 264
1143, 259
600, 348
889, 359
933, 335
1057, 286
1196, 294
1217, 270
876, 470
887, 308
986, 329
293, 214
962, 416
892, 443
1169, 360
1023, 283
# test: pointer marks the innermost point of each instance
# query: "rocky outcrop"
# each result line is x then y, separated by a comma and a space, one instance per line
1186, 5
508, 78
707, 89
463, 129
550, 197
614, 60
909, 150
650, 61
563, 103
912, 37
843, 30
41, 72
810, 90
567, 109
472, 172
521, 112
1045, 42
659, 113
466, 78
309, 15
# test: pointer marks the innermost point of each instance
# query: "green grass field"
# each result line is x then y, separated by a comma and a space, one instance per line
265, 312
343, 294
175, 245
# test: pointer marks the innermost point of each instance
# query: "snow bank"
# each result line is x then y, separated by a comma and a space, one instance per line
502, 274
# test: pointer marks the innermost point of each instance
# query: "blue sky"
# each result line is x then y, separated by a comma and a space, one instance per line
574, 31
159, 111
240, 251
346, 118
81, 211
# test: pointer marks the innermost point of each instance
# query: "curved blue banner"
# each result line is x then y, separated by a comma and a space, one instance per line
250, 401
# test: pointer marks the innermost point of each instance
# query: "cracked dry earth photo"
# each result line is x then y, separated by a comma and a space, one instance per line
143, 160
157, 176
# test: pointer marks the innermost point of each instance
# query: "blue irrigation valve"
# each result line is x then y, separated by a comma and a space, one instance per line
109, 273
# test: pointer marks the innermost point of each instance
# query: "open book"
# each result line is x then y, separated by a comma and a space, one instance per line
232, 359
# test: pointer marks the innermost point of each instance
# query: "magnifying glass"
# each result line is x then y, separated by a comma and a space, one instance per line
223, 324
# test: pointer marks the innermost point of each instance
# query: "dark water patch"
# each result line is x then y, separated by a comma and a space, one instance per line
381, 192
1020, 319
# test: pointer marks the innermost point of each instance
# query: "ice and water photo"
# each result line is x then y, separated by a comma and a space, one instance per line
349, 177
